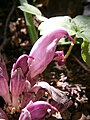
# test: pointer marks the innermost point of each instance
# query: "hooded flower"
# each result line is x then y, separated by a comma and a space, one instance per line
17, 84
37, 111
43, 51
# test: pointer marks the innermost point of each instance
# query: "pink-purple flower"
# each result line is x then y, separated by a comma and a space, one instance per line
17, 83
25, 70
43, 51
37, 111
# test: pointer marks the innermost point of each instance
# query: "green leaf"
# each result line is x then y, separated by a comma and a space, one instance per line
58, 22
79, 37
83, 31
30, 24
41, 18
86, 52
30, 9
86, 33
83, 24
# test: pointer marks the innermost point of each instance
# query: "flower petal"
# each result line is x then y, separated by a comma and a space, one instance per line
17, 84
56, 94
44, 49
25, 115
59, 57
22, 63
39, 109
40, 85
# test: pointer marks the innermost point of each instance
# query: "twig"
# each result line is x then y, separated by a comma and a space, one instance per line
80, 63
6, 40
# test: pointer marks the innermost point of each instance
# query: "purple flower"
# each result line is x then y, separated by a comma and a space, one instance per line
55, 93
4, 90
59, 58
17, 83
37, 111
43, 51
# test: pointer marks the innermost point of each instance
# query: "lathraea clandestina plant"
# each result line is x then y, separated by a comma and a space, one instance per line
19, 96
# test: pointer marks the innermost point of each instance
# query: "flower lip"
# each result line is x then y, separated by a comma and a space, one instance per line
72, 40
22, 63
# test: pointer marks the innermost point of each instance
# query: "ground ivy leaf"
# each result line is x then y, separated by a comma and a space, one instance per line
86, 33
83, 31
86, 52
83, 24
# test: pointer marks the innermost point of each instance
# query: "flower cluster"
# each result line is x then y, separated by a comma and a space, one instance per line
25, 93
